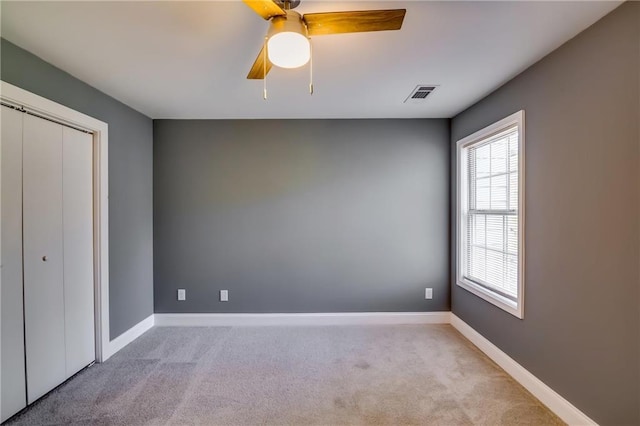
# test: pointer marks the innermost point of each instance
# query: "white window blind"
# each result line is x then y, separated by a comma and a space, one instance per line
492, 214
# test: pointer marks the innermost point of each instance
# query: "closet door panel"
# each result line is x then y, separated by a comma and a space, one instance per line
43, 256
12, 386
77, 181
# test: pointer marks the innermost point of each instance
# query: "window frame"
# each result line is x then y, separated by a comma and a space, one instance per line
516, 307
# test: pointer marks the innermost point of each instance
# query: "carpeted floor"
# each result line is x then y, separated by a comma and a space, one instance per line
378, 375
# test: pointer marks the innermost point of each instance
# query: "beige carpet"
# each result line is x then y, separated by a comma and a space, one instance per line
357, 375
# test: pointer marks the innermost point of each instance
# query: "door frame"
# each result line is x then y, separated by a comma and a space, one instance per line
54, 111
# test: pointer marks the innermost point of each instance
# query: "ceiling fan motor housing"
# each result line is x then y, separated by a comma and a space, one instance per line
287, 4
291, 22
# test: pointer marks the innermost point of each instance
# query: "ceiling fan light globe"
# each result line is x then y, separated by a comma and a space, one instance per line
288, 49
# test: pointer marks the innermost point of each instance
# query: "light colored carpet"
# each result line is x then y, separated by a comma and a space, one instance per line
360, 375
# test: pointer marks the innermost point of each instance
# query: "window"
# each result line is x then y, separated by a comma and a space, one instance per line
490, 214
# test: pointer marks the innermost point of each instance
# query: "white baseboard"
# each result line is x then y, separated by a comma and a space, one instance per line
347, 318
556, 403
128, 336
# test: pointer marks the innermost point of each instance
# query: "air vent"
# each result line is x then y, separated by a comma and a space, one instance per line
420, 93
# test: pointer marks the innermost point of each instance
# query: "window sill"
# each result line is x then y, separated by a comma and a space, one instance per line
494, 298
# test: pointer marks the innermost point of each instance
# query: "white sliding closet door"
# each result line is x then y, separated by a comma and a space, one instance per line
77, 190
12, 386
43, 256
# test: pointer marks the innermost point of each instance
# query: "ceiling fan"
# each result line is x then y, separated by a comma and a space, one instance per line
287, 41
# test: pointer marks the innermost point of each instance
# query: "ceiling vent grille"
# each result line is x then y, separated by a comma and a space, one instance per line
420, 93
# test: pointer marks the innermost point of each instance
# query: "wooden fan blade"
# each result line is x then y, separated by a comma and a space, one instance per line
354, 22
265, 8
258, 69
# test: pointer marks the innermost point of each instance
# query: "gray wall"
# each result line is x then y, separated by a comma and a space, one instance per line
130, 179
301, 215
580, 333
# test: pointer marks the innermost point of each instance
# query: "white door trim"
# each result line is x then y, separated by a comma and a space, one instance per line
18, 97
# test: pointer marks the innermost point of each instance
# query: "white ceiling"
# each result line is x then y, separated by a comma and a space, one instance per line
190, 59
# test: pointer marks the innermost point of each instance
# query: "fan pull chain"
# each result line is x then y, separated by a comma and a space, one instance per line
264, 69
310, 67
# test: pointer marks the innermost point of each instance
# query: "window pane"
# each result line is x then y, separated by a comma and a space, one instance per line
512, 235
483, 194
493, 173
483, 161
498, 156
492, 259
495, 269
513, 191
478, 237
513, 152
498, 192
495, 232
477, 262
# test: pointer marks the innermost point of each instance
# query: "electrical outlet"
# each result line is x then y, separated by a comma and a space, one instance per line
224, 295
182, 294
428, 293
